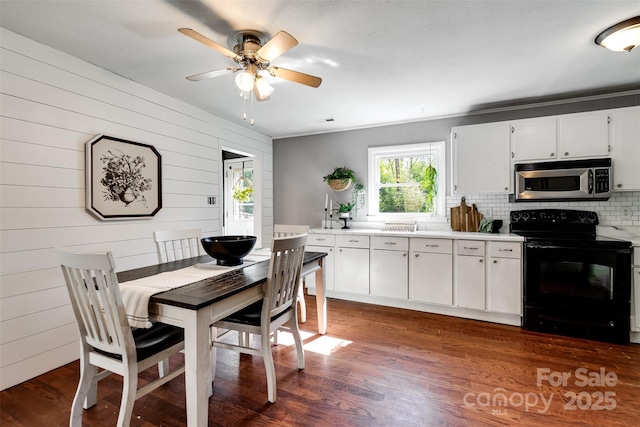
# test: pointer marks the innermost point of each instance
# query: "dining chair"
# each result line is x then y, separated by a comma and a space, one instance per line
175, 245
108, 344
270, 314
285, 230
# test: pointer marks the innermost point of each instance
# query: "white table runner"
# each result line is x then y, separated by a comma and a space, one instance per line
136, 293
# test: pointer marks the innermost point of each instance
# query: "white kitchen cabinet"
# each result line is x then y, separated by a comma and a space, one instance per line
352, 264
625, 148
322, 243
469, 274
533, 139
389, 267
583, 135
504, 278
481, 159
431, 271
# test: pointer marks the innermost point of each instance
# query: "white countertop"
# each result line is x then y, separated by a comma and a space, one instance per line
631, 234
435, 234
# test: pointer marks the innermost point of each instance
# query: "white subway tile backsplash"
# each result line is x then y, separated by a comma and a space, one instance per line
610, 212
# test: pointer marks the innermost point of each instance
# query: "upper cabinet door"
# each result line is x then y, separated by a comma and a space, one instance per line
625, 148
583, 135
481, 159
533, 139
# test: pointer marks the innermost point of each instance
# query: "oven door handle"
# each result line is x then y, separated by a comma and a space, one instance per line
590, 181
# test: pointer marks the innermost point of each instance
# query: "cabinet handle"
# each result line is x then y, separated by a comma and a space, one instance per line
495, 261
417, 255
552, 154
566, 153
481, 260
340, 250
353, 241
471, 248
320, 239
390, 243
330, 249
404, 254
505, 250
432, 246
619, 185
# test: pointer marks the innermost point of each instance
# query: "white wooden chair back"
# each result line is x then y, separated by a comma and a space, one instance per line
283, 280
178, 244
96, 301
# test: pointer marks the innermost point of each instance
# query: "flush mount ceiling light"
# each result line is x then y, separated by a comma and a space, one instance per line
621, 37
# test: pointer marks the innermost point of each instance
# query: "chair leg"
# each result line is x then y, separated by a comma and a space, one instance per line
269, 367
302, 303
295, 330
129, 388
163, 367
83, 393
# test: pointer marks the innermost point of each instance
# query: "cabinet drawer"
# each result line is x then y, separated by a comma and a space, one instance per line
349, 241
390, 243
505, 249
321, 239
470, 247
439, 246
636, 255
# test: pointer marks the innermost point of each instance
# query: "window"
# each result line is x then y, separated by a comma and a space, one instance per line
407, 181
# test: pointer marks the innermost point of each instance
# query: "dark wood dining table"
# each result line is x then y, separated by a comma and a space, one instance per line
197, 305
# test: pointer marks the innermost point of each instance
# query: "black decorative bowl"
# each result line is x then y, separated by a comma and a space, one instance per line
228, 250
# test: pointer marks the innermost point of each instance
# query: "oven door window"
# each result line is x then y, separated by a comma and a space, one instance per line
576, 279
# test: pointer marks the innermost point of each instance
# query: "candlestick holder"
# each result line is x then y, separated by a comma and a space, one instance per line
326, 212
331, 221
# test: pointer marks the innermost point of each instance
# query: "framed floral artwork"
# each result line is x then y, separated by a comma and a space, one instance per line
123, 179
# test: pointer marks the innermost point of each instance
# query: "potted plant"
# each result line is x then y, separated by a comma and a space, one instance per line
344, 209
340, 179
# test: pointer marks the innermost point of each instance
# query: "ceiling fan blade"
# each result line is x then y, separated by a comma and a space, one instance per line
211, 74
208, 42
279, 44
295, 76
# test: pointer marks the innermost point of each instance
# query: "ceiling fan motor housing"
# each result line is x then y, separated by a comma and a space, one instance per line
248, 43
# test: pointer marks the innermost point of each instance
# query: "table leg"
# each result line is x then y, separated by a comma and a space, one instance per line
321, 298
197, 366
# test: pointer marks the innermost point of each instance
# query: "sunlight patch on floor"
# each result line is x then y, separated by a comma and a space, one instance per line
320, 344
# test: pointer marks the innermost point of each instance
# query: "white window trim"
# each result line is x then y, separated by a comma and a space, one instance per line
373, 198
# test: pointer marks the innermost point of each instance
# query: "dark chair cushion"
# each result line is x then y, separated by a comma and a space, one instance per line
153, 340
249, 315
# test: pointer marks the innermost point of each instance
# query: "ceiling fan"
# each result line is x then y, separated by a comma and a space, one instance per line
253, 53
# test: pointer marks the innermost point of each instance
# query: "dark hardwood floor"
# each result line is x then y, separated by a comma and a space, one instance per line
380, 366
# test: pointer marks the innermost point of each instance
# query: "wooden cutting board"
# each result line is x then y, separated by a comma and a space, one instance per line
465, 218
458, 216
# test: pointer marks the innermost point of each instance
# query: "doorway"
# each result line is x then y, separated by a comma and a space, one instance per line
239, 196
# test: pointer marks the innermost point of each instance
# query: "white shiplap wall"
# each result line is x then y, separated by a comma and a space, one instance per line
50, 105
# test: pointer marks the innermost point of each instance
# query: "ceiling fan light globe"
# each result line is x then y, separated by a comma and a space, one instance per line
245, 80
264, 89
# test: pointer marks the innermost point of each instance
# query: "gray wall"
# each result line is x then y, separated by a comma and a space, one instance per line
301, 162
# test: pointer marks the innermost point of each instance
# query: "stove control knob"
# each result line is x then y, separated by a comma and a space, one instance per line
592, 217
525, 216
543, 215
563, 216
515, 217
582, 216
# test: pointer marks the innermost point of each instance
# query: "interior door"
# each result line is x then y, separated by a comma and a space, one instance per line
238, 194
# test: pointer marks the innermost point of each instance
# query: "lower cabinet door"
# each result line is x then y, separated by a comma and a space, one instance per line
389, 274
328, 265
352, 270
504, 286
431, 278
470, 282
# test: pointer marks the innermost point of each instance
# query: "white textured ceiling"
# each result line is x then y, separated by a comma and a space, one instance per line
380, 61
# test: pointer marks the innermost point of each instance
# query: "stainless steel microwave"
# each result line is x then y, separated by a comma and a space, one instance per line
563, 180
